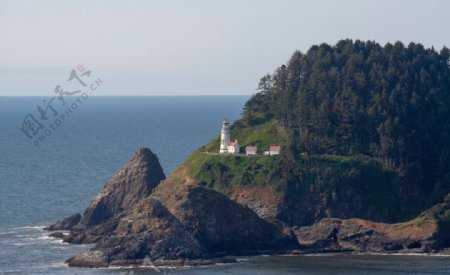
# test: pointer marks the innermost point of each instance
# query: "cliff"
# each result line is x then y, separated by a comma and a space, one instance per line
134, 181
181, 222
428, 233
303, 190
335, 204
178, 222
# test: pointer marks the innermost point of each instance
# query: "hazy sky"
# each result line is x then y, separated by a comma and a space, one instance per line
170, 47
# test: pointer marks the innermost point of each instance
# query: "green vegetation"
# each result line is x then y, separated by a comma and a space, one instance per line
418, 221
443, 222
221, 171
364, 130
444, 219
361, 98
346, 186
340, 179
262, 135
390, 103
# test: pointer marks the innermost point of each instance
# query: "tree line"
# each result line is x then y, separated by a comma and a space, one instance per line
389, 102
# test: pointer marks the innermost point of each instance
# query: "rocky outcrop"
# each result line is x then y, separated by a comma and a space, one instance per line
175, 222
133, 182
356, 235
197, 224
81, 234
261, 199
221, 225
56, 235
149, 230
65, 224
141, 218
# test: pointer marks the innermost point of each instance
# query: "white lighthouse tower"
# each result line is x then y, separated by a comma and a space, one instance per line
224, 137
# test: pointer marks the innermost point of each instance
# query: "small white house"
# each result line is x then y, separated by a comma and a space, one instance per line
233, 147
251, 150
266, 153
274, 150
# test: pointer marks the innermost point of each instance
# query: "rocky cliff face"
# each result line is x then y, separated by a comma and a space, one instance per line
313, 188
134, 181
141, 216
148, 230
428, 233
196, 224
355, 235
221, 225
177, 221
261, 199
65, 224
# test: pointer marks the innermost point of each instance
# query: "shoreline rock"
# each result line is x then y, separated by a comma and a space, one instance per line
141, 217
65, 224
132, 182
357, 235
90, 260
168, 220
57, 235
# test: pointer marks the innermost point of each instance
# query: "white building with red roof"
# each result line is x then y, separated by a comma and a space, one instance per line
274, 150
251, 150
233, 147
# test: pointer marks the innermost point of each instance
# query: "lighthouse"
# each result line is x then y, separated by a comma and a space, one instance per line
224, 137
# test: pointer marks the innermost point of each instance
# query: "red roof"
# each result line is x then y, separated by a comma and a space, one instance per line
232, 143
225, 121
251, 148
275, 148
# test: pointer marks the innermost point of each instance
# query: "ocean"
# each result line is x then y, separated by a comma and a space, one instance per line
54, 160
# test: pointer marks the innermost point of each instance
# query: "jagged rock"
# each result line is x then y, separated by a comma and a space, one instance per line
90, 258
356, 235
57, 235
84, 235
178, 223
221, 225
66, 224
261, 199
133, 182
94, 259
320, 237
149, 230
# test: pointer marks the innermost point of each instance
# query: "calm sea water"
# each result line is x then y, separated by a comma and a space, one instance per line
42, 184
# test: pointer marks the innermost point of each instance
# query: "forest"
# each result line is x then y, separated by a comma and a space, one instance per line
391, 103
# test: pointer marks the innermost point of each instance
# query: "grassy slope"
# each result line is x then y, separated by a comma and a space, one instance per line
437, 218
440, 213
262, 135
221, 171
327, 175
